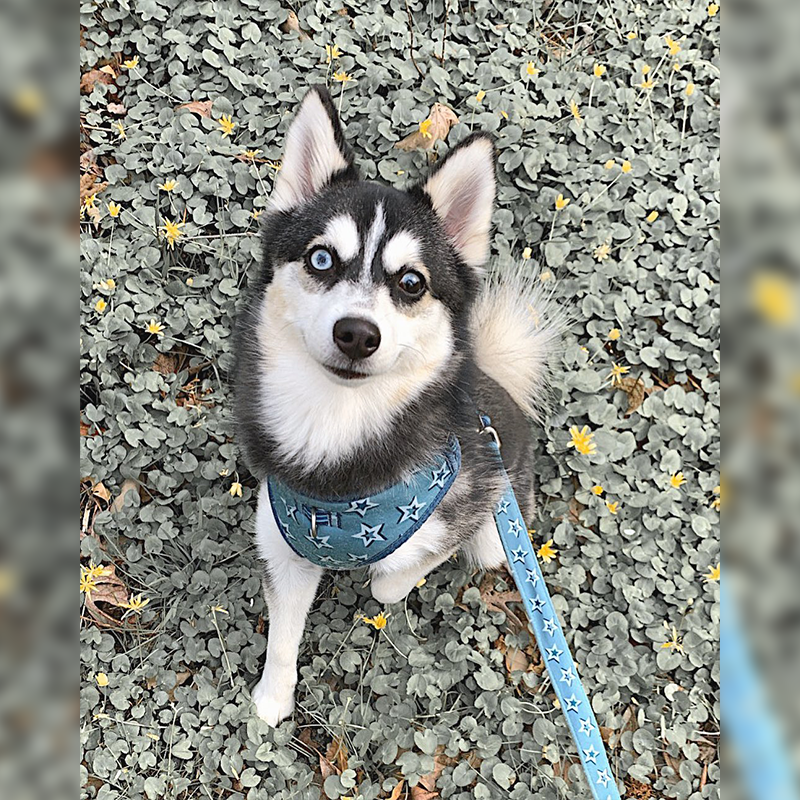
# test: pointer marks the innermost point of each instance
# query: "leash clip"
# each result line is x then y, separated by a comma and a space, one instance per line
313, 523
487, 428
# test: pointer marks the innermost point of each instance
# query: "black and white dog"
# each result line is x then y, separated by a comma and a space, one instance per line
367, 344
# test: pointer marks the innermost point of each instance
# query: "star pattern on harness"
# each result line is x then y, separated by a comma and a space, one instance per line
515, 527
411, 511
360, 507
587, 727
320, 542
553, 653
291, 510
572, 703
537, 604
326, 558
439, 476
503, 506
356, 557
531, 577
590, 753
549, 625
567, 676
603, 777
285, 530
370, 534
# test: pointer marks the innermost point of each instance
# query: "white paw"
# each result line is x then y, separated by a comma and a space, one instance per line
387, 591
272, 706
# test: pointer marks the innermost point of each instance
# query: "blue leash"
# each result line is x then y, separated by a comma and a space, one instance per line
550, 638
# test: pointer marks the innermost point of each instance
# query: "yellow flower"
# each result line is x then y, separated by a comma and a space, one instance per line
100, 306
131, 63
648, 84
652, 216
632, 35
614, 334
676, 480
226, 124
573, 107
612, 507
168, 186
257, 212
101, 678
252, 154
713, 574
136, 604
90, 200
610, 163
114, 209
173, 232
689, 89
582, 440
645, 69
235, 490
617, 371
341, 76
712, 9
677, 67
503, 114
332, 51
601, 252
120, 130
424, 127
674, 47
547, 552
190, 281
561, 202
378, 622
527, 253
88, 583
674, 643
598, 490
530, 69
421, 582
626, 166
155, 328
109, 284
774, 298
716, 503
479, 97
599, 70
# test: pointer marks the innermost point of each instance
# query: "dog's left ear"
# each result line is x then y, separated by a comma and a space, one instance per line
461, 190
315, 153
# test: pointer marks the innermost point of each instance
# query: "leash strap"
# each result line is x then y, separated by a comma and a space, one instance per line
550, 638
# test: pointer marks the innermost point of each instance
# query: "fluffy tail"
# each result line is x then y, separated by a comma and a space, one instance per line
517, 328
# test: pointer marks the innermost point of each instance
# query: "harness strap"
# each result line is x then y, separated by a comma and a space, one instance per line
550, 639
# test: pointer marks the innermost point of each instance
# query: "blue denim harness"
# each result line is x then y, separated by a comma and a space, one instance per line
352, 532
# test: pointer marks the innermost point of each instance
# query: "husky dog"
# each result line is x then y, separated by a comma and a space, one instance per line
367, 345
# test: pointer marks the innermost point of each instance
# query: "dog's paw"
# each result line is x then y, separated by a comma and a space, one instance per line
387, 590
271, 706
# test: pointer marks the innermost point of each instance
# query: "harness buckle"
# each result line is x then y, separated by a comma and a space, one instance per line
313, 523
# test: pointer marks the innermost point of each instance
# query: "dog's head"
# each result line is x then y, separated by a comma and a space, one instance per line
367, 282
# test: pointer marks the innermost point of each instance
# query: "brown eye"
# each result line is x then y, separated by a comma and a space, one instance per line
411, 283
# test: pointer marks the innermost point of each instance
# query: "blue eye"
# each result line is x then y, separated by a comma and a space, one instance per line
320, 259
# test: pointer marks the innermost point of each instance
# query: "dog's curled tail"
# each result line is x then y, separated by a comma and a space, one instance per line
517, 329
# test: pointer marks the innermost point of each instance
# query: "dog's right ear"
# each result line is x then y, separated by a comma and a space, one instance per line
315, 153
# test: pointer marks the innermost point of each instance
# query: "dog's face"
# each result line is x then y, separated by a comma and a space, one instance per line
367, 285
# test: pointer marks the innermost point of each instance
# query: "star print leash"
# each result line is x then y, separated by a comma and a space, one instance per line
550, 638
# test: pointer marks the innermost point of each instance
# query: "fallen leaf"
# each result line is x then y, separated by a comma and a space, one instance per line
292, 25
200, 107
337, 754
441, 119
129, 485
109, 70
111, 590
426, 788
92, 77
117, 108
516, 660
101, 490
165, 363
636, 391
395, 795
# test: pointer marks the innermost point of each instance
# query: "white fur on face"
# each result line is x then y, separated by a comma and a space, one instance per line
315, 416
376, 230
462, 193
341, 233
402, 250
310, 158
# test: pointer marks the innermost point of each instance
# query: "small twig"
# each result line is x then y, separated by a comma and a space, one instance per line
214, 610
411, 44
444, 31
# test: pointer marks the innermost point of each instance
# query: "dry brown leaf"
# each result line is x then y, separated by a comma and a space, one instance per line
337, 754
109, 70
101, 490
516, 660
116, 108
395, 795
441, 119
93, 76
109, 589
199, 107
421, 793
499, 601
292, 25
129, 485
165, 363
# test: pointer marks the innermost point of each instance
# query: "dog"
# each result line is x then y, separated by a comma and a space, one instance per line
366, 348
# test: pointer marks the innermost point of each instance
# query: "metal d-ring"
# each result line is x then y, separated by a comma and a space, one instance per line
494, 433
313, 523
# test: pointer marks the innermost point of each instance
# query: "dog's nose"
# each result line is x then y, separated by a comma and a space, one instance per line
356, 338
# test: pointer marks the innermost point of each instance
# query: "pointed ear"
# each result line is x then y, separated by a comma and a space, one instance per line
315, 153
461, 190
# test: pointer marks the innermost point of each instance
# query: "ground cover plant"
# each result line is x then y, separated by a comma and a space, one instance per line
605, 117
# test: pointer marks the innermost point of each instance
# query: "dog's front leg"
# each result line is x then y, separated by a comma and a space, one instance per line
290, 584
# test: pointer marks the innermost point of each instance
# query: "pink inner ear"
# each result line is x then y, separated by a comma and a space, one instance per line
461, 213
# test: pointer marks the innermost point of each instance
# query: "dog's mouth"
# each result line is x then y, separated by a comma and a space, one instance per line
346, 374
